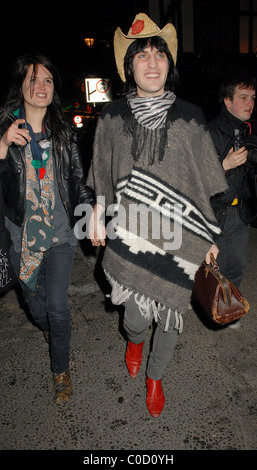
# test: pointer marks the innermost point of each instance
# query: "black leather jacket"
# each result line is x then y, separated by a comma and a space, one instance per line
69, 172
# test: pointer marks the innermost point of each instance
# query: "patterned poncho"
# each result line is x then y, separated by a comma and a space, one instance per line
156, 171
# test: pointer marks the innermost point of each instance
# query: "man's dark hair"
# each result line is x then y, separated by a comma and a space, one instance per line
228, 87
138, 46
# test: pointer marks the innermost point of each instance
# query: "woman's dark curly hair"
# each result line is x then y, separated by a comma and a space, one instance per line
138, 46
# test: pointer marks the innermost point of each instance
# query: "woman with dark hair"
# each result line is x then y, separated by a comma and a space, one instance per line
15, 95
42, 182
151, 151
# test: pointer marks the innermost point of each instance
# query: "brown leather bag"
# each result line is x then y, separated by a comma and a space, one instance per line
218, 297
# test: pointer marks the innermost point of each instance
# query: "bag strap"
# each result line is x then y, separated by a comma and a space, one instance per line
224, 283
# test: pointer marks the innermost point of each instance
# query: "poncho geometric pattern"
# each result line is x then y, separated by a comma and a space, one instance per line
175, 191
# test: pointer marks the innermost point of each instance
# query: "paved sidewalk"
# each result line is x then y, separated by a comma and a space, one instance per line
210, 384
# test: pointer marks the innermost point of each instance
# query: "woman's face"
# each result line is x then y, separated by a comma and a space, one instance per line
38, 88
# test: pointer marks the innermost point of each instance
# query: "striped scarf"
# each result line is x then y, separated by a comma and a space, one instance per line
151, 112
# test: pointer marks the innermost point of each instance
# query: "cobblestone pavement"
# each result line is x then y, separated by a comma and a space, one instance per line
210, 383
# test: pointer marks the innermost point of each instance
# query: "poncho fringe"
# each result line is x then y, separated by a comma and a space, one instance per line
133, 167
121, 294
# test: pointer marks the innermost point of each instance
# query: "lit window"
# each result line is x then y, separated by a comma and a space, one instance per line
244, 34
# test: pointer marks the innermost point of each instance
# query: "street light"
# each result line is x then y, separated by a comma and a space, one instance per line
89, 42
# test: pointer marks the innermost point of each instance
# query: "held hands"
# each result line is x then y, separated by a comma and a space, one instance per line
235, 158
97, 232
14, 135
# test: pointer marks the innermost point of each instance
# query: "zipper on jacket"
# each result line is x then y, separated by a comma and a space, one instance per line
24, 182
60, 185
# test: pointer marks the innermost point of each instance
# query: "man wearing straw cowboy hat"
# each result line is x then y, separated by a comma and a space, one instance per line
152, 152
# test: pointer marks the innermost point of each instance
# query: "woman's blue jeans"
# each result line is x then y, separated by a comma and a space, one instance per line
49, 303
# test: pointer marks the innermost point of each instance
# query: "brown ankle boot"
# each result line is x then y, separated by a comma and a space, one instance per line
155, 399
134, 357
62, 387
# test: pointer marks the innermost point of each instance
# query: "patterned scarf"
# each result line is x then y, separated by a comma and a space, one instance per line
38, 231
151, 112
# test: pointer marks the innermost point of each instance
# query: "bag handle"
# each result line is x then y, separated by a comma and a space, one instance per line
224, 283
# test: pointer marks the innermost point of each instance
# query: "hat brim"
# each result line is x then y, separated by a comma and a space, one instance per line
121, 43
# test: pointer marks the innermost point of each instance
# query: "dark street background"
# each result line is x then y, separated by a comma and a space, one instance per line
210, 384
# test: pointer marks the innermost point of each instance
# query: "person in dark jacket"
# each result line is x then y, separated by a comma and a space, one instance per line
238, 156
42, 180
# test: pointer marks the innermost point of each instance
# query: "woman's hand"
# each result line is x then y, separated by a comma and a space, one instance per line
14, 135
214, 251
97, 232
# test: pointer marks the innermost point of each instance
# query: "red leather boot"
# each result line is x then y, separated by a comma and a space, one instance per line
134, 357
155, 399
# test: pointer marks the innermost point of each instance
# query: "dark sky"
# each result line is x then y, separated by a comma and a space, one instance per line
57, 29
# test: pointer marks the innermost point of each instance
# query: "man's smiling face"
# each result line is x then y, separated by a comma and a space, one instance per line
150, 69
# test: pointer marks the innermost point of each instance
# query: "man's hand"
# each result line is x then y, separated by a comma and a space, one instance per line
97, 232
235, 159
214, 251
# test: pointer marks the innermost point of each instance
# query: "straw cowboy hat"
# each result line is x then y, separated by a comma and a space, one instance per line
142, 27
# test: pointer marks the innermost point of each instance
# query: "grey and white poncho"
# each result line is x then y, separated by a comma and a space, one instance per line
157, 168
